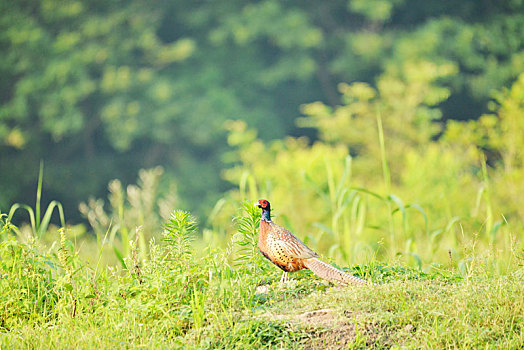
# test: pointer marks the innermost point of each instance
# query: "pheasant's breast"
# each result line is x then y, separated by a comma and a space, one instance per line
280, 258
282, 248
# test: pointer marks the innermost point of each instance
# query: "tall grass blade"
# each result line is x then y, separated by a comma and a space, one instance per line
100, 251
39, 225
400, 207
358, 215
385, 166
365, 190
487, 195
331, 182
39, 193
119, 256
421, 211
494, 230
29, 211
44, 224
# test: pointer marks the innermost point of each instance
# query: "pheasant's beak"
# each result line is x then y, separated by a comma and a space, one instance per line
256, 205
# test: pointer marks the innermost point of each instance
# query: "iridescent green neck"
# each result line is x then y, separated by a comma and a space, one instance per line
266, 215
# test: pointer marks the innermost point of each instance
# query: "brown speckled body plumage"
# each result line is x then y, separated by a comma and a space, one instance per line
282, 247
290, 254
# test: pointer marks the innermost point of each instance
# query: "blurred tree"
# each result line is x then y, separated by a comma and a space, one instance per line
100, 89
501, 135
404, 105
84, 87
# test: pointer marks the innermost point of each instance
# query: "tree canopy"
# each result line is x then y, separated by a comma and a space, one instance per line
100, 89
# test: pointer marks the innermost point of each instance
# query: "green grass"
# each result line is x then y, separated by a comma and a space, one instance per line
231, 298
430, 313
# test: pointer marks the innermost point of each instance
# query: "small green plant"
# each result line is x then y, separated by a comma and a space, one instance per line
6, 227
27, 284
134, 255
39, 224
179, 233
246, 238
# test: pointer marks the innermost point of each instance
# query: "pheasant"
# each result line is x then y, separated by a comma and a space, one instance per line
290, 254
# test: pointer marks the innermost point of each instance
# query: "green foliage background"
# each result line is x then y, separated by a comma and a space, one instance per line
387, 134
100, 89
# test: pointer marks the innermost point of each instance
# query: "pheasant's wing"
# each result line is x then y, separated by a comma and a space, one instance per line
284, 242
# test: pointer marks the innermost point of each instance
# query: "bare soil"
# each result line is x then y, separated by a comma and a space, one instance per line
336, 329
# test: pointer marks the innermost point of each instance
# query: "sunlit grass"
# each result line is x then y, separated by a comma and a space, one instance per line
231, 298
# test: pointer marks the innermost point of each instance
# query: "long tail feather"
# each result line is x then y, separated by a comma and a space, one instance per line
330, 273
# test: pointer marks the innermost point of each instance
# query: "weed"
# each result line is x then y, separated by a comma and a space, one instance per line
39, 224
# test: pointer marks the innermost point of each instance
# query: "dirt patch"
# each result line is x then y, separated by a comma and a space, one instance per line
333, 329
263, 289
327, 328
334, 338
345, 334
317, 318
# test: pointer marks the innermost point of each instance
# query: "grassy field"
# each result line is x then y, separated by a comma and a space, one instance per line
230, 297
388, 136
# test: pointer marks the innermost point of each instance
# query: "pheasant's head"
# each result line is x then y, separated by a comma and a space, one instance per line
266, 209
264, 204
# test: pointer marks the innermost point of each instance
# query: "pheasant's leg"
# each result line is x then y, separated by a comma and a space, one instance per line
284, 278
